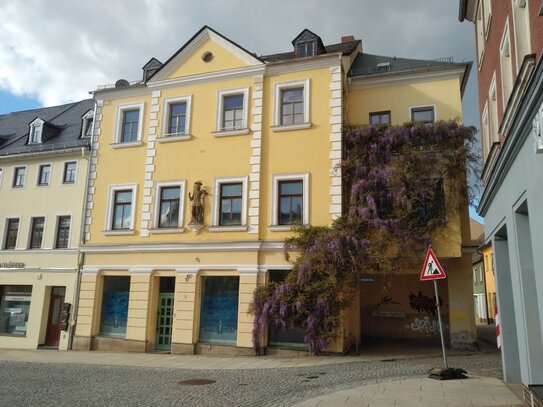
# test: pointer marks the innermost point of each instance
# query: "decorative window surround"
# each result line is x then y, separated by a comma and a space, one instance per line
220, 131
108, 229
179, 136
121, 109
126, 145
156, 205
415, 109
36, 131
304, 177
278, 88
216, 227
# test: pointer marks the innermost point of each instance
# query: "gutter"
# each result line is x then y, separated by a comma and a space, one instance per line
16, 156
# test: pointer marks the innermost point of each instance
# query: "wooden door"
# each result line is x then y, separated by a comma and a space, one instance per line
52, 336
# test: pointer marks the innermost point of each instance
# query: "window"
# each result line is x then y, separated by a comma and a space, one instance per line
290, 200
380, 118
176, 119
480, 30
19, 175
306, 49
129, 124
487, 11
485, 126
86, 129
69, 172
114, 315
36, 131
44, 174
36, 232
12, 230
14, 309
122, 210
230, 205
63, 232
168, 216
232, 111
1, 174
506, 66
493, 111
423, 114
232, 117
291, 105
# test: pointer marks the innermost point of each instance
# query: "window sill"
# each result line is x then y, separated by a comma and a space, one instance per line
168, 138
280, 228
127, 145
239, 228
123, 232
166, 231
288, 127
235, 132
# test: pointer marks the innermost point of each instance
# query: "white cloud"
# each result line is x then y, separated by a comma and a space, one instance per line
58, 50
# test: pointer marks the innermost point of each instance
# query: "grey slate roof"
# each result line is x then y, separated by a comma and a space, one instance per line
344, 48
369, 64
65, 119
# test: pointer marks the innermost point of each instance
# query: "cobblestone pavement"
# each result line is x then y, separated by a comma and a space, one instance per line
54, 384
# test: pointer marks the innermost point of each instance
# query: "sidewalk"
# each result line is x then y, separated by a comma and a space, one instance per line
422, 392
475, 391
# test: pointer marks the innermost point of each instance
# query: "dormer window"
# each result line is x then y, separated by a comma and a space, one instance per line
306, 49
36, 131
86, 128
308, 44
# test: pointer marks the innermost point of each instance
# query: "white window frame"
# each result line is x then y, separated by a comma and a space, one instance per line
29, 238
278, 88
156, 206
119, 125
276, 178
216, 227
506, 71
166, 137
244, 129
69, 233
480, 33
434, 107
487, 12
493, 110
108, 230
39, 174
37, 123
86, 117
485, 133
13, 186
64, 172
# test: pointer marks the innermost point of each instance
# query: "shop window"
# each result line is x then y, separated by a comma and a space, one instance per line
115, 298
219, 313
14, 309
289, 336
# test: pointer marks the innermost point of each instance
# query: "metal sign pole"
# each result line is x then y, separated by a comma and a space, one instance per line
440, 326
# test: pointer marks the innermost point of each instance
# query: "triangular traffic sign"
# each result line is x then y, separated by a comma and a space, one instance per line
432, 270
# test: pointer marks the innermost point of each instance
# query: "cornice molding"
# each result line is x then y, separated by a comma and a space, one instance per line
186, 247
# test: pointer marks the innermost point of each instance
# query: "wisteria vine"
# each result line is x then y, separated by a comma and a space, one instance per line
400, 184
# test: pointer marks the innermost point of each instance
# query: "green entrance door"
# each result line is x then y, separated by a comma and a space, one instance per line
164, 321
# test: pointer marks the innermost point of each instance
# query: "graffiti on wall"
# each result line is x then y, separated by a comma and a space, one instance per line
426, 326
423, 303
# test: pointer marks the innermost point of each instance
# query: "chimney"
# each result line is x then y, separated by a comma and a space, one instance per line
347, 38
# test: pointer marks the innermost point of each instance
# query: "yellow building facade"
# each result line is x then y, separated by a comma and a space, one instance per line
43, 172
198, 173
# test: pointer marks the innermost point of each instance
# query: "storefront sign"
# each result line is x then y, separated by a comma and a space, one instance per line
12, 265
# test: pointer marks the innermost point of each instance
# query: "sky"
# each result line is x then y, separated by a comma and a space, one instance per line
56, 51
